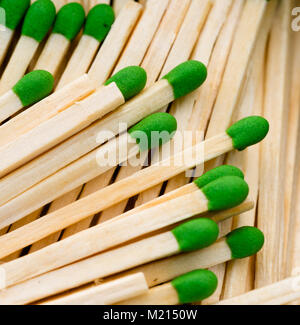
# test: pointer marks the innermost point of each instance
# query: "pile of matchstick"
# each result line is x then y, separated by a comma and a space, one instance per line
75, 232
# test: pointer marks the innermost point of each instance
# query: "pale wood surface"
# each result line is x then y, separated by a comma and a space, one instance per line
5, 40
53, 53
46, 109
82, 272
115, 41
10, 103
118, 5
18, 63
270, 218
60, 127
106, 294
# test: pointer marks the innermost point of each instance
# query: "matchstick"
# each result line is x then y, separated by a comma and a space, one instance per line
168, 212
278, 293
270, 215
242, 134
30, 89
240, 243
38, 20
115, 41
118, 5
97, 26
58, 3
67, 25
187, 288
93, 164
142, 35
74, 119
149, 101
46, 109
202, 233
106, 294
93, 3
14, 11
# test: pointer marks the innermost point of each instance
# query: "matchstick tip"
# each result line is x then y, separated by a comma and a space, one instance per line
69, 20
130, 80
195, 286
186, 77
14, 11
196, 234
225, 192
215, 173
39, 19
248, 131
34, 86
154, 130
99, 21
245, 241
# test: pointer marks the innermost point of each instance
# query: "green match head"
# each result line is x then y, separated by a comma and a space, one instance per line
99, 21
225, 192
245, 241
186, 77
248, 131
39, 19
154, 130
34, 86
130, 81
195, 286
14, 11
69, 20
196, 234
221, 171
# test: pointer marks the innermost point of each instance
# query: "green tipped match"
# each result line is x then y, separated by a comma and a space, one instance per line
225, 192
14, 11
221, 171
99, 22
186, 77
69, 20
130, 81
34, 86
195, 286
154, 130
39, 19
245, 241
196, 234
248, 131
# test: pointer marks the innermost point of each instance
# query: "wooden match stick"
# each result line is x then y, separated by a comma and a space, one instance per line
106, 294
149, 101
240, 243
94, 164
46, 109
111, 49
97, 26
30, 89
14, 11
232, 191
67, 25
278, 293
38, 20
118, 6
270, 217
242, 134
93, 3
201, 233
187, 288
121, 87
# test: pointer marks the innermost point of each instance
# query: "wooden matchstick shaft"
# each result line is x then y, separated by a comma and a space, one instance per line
9, 104
5, 40
60, 127
46, 109
53, 53
115, 193
86, 243
280, 293
18, 63
106, 294
82, 272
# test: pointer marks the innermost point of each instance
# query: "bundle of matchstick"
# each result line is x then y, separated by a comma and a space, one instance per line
103, 200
